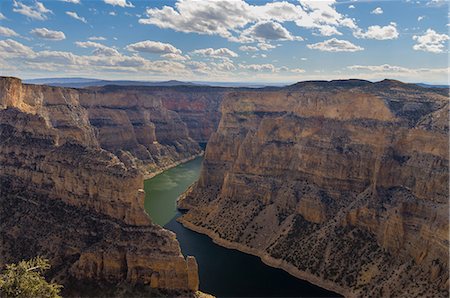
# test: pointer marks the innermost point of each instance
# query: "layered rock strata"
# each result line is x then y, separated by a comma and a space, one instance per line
66, 198
342, 183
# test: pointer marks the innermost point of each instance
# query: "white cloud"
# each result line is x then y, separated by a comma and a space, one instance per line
4, 31
239, 21
267, 30
351, 6
327, 30
335, 45
36, 12
155, 47
74, 15
97, 38
2, 16
377, 10
420, 18
437, 3
121, 3
379, 33
12, 48
387, 70
71, 1
248, 49
45, 33
112, 13
258, 67
99, 49
265, 46
177, 57
216, 53
431, 41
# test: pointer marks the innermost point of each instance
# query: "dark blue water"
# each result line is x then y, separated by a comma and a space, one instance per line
223, 272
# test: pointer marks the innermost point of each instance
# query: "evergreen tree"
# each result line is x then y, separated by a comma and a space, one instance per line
26, 280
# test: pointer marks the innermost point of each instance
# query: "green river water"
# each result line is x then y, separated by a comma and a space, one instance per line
223, 272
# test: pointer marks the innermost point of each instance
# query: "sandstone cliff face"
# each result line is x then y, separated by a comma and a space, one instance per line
196, 106
64, 197
135, 120
342, 182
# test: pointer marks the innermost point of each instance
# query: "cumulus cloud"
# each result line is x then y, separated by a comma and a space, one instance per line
351, 6
99, 49
74, 15
420, 18
11, 48
216, 53
177, 57
267, 30
248, 49
45, 33
239, 21
335, 45
121, 3
265, 46
2, 16
431, 41
377, 10
258, 67
4, 31
36, 12
378, 32
156, 47
327, 30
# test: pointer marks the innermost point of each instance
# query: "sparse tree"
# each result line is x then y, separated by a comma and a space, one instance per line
26, 279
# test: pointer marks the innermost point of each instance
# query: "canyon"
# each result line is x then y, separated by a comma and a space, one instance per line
342, 183
71, 187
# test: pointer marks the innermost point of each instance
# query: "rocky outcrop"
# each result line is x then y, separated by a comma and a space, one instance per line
65, 197
344, 183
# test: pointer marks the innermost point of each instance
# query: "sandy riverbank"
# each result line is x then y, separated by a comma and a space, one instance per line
270, 261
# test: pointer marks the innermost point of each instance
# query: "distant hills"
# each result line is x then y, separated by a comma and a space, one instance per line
89, 82
86, 82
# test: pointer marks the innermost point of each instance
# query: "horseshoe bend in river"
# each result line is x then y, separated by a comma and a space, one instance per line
223, 272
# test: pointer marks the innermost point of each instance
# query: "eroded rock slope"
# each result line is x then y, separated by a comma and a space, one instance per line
343, 183
70, 193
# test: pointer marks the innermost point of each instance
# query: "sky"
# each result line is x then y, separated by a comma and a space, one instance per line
226, 40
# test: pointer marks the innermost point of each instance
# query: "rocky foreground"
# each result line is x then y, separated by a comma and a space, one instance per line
342, 183
72, 164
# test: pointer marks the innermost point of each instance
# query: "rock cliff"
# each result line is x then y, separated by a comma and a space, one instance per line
343, 183
198, 107
69, 194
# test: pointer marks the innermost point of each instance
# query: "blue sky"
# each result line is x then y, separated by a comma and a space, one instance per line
225, 40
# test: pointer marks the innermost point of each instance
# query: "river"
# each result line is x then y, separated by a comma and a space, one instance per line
223, 272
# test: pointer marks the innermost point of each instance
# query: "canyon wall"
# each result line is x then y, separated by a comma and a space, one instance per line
71, 187
342, 183
198, 107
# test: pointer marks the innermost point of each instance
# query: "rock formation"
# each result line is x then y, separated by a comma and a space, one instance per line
342, 183
70, 187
